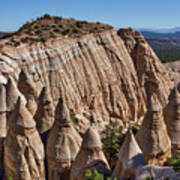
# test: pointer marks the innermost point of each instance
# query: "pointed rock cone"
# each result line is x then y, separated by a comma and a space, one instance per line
3, 109
12, 94
21, 117
45, 113
172, 118
90, 157
26, 159
31, 104
63, 144
152, 136
130, 158
26, 85
62, 114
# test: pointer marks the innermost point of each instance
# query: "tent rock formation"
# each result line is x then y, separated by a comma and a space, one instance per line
90, 157
152, 136
25, 161
63, 144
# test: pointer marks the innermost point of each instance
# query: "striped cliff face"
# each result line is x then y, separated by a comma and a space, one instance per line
95, 75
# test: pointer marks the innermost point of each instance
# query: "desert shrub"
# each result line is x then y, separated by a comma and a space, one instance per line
56, 30
113, 138
38, 32
66, 31
36, 27
95, 175
75, 120
79, 24
149, 178
60, 26
43, 39
175, 163
54, 26
75, 31
24, 40
135, 129
46, 16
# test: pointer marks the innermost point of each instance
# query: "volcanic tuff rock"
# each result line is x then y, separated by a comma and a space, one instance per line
23, 149
95, 74
152, 137
130, 158
172, 118
63, 144
90, 157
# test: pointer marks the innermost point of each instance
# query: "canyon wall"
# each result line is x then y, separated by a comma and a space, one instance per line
101, 77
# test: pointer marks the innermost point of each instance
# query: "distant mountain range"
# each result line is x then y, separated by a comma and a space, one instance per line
165, 30
3, 34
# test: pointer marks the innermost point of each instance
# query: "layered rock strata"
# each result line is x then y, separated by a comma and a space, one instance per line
90, 157
23, 151
94, 74
63, 144
147, 64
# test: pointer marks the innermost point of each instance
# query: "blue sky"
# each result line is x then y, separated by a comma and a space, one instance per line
119, 13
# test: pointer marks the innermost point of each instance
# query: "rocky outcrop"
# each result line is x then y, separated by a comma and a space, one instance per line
130, 159
95, 74
63, 144
25, 161
172, 118
147, 64
152, 137
45, 113
31, 104
90, 157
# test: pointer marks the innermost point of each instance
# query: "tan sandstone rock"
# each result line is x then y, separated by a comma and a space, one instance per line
95, 72
172, 118
24, 151
90, 157
152, 136
63, 144
147, 64
12, 94
45, 113
26, 84
130, 158
3, 110
31, 104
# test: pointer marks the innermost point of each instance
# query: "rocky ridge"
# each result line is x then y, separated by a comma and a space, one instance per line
98, 75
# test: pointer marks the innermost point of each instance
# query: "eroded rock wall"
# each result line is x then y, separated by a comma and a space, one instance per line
97, 75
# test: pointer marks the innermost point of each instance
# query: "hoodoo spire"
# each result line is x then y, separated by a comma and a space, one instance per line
90, 156
22, 117
152, 136
45, 113
172, 117
130, 158
63, 144
62, 114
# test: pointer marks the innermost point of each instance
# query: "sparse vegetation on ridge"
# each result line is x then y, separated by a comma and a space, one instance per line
50, 27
